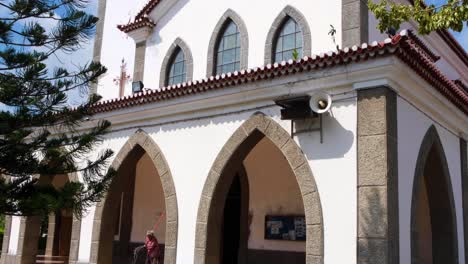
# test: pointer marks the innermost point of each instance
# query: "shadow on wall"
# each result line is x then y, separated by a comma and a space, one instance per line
155, 39
336, 139
191, 122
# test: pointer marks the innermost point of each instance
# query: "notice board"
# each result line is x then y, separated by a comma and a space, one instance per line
285, 227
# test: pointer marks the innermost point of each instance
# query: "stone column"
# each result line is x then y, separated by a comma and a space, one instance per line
28, 237
75, 241
140, 36
378, 240
139, 67
98, 37
464, 175
355, 22
50, 235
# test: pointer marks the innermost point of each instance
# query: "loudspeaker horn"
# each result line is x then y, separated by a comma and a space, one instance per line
320, 102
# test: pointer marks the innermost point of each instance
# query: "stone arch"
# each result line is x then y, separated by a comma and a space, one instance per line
432, 149
263, 126
178, 43
30, 227
300, 19
229, 15
145, 142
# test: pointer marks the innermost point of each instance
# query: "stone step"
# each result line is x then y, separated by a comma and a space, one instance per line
43, 259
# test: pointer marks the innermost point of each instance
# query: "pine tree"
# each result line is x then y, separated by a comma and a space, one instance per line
41, 135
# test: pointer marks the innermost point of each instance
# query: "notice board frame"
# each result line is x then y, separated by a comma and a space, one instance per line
287, 224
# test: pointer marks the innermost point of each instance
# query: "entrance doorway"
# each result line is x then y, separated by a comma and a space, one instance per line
257, 183
134, 205
434, 236
280, 185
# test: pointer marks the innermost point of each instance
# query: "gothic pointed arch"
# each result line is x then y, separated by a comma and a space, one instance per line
178, 44
433, 218
139, 142
244, 138
299, 18
228, 16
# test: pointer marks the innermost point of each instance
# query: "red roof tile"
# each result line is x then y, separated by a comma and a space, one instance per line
404, 46
148, 8
141, 19
138, 23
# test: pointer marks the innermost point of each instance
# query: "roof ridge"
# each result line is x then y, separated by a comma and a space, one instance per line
147, 8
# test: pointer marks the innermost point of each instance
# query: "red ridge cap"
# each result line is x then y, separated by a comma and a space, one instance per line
141, 19
147, 8
461, 84
430, 54
138, 23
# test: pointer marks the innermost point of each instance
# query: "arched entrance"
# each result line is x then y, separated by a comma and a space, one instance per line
48, 239
257, 195
141, 196
433, 221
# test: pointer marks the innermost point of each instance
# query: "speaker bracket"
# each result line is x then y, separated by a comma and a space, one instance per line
298, 108
319, 129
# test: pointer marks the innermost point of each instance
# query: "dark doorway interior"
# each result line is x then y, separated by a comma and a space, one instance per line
232, 223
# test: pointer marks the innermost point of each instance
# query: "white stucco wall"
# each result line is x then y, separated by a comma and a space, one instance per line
191, 147
14, 235
273, 190
412, 126
148, 202
86, 233
194, 22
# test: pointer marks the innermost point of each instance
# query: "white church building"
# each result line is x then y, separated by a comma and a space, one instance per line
248, 134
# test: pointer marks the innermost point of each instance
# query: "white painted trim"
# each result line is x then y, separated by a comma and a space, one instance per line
140, 34
390, 71
370, 84
257, 92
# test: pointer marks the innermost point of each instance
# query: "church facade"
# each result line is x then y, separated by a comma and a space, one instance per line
250, 134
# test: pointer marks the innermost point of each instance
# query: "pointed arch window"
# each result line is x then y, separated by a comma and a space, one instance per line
288, 41
177, 72
228, 49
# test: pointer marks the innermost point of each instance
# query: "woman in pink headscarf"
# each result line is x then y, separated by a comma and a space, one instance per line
152, 248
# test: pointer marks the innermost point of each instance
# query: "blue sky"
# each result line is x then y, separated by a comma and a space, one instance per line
462, 37
70, 61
